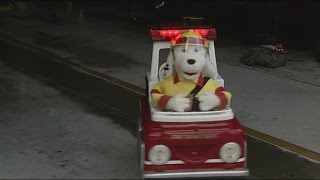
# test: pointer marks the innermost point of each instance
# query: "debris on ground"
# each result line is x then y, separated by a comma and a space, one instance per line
267, 55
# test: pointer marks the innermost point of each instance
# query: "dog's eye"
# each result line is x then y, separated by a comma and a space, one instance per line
183, 50
195, 50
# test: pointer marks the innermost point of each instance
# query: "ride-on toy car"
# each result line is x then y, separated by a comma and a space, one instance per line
187, 144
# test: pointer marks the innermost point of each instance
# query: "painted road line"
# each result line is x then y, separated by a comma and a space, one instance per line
306, 153
314, 156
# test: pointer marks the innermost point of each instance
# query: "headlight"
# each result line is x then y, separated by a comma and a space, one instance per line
159, 154
230, 152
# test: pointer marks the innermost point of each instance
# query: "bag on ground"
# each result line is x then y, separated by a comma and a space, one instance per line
265, 55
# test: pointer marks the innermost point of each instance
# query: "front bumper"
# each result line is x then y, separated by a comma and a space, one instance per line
193, 174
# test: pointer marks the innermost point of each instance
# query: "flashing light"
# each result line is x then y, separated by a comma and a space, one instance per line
170, 34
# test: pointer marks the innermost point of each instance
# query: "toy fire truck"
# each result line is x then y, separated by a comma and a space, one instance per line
188, 144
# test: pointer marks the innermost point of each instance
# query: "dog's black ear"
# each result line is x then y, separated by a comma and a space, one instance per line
166, 67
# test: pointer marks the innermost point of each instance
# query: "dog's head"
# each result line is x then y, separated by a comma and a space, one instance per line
190, 54
189, 61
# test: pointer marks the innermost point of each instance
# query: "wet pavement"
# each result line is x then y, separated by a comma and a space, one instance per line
50, 132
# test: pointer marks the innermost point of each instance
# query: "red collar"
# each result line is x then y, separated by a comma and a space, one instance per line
199, 82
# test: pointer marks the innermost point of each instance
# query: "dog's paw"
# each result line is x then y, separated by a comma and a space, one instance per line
179, 103
208, 101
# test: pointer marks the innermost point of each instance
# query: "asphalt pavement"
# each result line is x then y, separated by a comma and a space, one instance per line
50, 132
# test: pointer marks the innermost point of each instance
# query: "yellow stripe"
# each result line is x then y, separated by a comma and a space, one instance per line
282, 144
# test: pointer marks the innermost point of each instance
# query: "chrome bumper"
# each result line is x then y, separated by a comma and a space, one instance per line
193, 174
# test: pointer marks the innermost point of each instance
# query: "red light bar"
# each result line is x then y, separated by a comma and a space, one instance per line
169, 34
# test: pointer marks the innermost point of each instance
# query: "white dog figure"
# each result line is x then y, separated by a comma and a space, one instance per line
188, 88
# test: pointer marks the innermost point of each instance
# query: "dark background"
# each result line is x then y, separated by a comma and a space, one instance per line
295, 24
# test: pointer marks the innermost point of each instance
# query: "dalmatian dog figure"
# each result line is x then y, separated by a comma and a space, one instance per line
190, 61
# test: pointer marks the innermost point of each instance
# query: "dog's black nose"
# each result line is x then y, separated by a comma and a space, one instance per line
191, 61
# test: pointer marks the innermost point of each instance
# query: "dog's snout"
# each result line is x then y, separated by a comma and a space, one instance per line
191, 61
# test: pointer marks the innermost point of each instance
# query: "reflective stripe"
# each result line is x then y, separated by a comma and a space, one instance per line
169, 162
207, 161
220, 160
